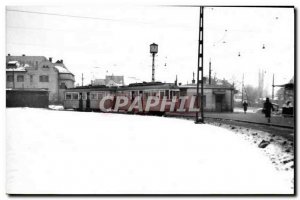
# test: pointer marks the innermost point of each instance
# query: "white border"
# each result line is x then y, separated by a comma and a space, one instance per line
4, 3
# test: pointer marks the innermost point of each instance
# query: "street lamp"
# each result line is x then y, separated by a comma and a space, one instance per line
153, 51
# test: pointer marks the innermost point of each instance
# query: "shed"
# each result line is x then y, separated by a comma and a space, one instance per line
38, 98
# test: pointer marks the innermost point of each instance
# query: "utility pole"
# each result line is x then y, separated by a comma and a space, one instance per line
200, 66
243, 88
273, 88
81, 79
209, 76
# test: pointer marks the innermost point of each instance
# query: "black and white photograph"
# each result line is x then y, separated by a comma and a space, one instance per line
150, 99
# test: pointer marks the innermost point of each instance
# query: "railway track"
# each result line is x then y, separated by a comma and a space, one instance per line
251, 122
237, 120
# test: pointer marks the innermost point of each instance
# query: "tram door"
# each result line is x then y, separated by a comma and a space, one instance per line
80, 101
219, 102
88, 102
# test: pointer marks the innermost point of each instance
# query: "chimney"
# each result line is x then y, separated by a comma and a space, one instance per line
50, 59
23, 55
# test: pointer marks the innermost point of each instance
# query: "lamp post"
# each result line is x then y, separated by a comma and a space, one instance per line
153, 51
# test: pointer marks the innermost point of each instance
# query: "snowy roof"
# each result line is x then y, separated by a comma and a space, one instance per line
18, 69
62, 69
13, 62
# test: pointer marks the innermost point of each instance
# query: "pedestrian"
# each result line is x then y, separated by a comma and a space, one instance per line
268, 106
245, 105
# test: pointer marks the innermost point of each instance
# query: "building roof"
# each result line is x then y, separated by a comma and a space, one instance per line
149, 86
62, 69
206, 86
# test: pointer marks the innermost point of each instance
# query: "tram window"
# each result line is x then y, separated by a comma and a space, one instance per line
157, 94
75, 96
161, 94
167, 94
100, 95
93, 96
68, 96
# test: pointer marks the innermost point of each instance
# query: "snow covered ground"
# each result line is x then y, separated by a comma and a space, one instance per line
65, 152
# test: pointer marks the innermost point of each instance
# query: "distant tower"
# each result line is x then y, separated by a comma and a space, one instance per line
153, 51
176, 80
193, 81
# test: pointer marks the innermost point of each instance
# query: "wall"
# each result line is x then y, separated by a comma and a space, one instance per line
210, 104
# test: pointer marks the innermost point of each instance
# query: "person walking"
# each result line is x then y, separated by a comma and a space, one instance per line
268, 106
245, 105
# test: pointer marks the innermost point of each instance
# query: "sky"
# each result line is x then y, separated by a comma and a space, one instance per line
105, 40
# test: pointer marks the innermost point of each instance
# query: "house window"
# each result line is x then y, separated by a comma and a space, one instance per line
20, 78
44, 78
10, 78
63, 86
31, 78
45, 66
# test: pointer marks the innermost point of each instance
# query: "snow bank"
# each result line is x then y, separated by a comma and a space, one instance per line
280, 150
57, 152
56, 107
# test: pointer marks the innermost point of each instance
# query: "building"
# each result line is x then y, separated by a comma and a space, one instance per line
217, 98
109, 81
38, 72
